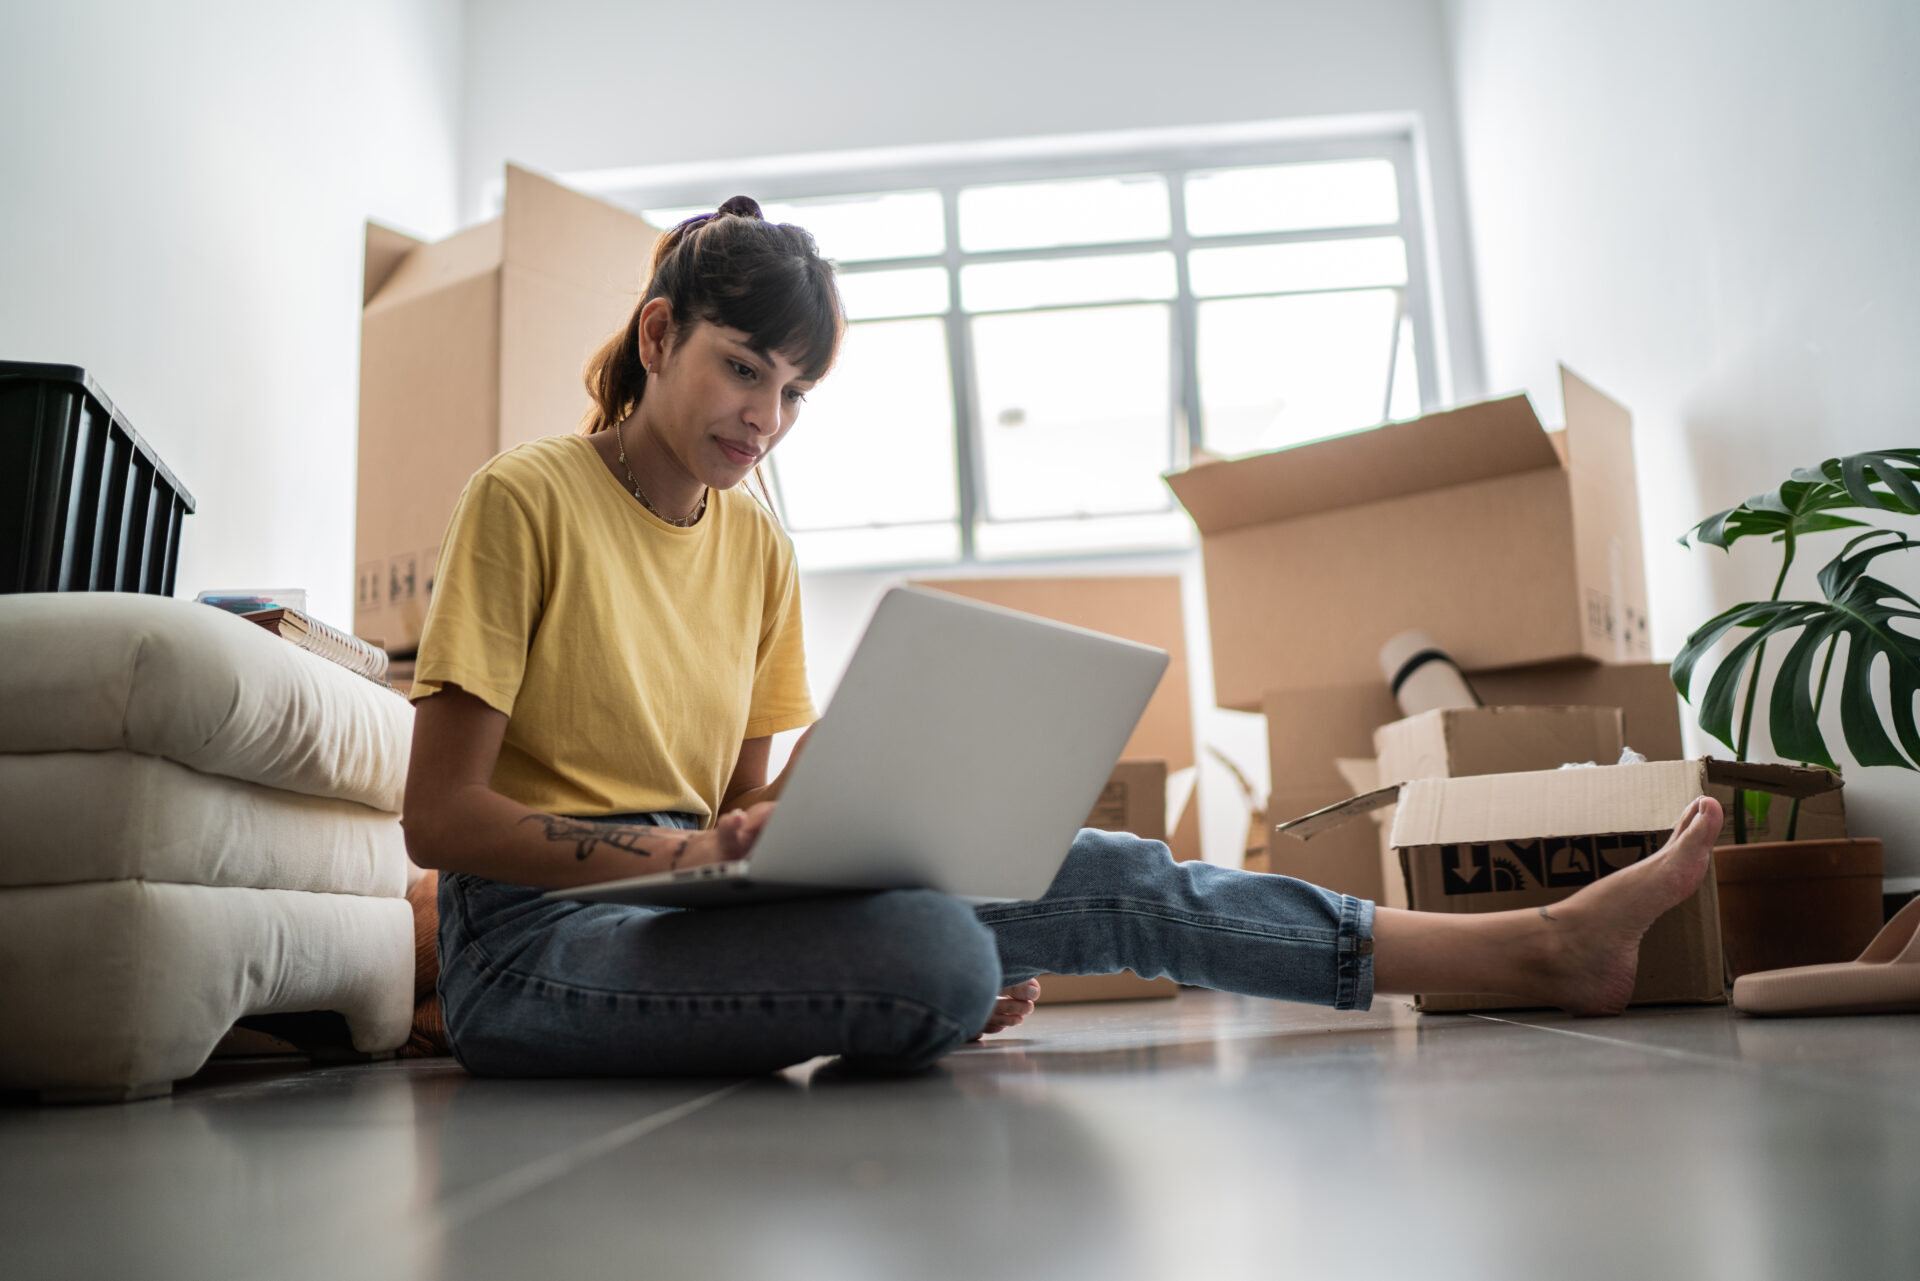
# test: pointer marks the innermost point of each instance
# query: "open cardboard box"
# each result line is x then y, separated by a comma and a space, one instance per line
1310, 731
1511, 544
469, 346
1492, 842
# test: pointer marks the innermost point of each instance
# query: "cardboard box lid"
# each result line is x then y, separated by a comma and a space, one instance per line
1578, 802
1475, 442
1570, 802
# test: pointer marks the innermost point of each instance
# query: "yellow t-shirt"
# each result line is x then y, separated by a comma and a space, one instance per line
632, 657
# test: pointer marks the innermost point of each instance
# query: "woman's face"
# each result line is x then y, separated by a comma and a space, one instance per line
716, 404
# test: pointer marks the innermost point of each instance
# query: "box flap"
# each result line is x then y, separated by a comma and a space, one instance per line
1782, 780
462, 256
559, 232
1475, 442
385, 249
1571, 802
1308, 826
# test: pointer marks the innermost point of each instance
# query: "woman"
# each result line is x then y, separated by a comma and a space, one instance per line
613, 641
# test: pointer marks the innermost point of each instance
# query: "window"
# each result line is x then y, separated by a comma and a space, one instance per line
1032, 343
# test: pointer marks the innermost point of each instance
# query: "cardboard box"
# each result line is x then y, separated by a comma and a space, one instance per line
1310, 731
1460, 742
470, 346
1492, 842
1134, 800
1509, 544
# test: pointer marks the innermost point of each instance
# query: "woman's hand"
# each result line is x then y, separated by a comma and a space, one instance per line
1012, 1008
729, 839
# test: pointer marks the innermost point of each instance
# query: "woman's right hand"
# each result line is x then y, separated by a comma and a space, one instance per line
729, 839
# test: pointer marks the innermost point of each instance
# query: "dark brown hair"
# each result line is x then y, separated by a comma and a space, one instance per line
734, 269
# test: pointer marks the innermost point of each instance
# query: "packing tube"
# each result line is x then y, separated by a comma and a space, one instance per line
1423, 677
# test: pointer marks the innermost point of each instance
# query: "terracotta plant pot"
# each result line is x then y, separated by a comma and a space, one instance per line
1785, 903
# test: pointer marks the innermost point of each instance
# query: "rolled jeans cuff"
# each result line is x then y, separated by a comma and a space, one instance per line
1353, 988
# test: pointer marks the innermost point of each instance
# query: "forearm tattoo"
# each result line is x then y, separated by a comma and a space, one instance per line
642, 842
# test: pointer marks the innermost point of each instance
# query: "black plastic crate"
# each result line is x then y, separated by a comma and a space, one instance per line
85, 504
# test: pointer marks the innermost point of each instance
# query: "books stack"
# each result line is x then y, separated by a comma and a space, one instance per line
283, 613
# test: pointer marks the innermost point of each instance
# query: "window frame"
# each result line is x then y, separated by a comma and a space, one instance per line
1171, 157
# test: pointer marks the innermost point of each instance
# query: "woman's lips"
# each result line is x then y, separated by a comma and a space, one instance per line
740, 454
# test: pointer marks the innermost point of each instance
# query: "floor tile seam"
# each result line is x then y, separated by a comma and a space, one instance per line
462, 1208
1764, 1071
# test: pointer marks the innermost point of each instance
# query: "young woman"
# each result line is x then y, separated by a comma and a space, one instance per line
613, 642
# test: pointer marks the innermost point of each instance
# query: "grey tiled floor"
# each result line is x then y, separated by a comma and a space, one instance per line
1206, 1137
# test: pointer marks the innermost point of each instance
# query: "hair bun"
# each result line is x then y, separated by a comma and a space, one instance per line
741, 207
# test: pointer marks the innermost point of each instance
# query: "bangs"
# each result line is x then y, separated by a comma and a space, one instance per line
786, 303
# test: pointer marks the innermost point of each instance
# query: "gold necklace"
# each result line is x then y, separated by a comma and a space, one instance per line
686, 522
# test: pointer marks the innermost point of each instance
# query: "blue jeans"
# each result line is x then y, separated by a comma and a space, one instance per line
890, 980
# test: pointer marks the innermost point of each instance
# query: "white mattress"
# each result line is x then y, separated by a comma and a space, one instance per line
125, 986
119, 671
101, 816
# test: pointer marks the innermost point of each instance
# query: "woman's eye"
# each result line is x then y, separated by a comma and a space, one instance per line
741, 368
795, 397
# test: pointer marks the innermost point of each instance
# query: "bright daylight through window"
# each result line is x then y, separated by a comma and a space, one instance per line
1031, 348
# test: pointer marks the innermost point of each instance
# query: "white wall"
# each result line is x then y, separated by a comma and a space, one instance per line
183, 192
1707, 209
571, 85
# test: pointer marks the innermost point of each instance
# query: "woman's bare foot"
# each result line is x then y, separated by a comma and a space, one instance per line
1580, 954
1593, 938
1012, 1008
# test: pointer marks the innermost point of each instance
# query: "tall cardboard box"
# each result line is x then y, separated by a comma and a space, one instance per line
1309, 730
1134, 800
1492, 842
469, 346
1145, 609
1509, 544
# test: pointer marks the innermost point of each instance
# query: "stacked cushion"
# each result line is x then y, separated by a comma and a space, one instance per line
198, 822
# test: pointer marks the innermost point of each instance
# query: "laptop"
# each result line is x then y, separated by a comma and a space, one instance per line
963, 750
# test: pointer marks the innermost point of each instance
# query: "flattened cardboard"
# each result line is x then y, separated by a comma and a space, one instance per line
469, 346
1144, 609
1464, 523
1134, 800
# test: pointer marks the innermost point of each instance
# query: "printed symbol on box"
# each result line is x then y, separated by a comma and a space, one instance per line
431, 558
1507, 874
400, 579
1532, 857
1569, 861
1465, 869
1611, 853
367, 585
1599, 614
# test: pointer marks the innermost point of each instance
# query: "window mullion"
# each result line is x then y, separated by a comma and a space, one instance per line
960, 366
1186, 353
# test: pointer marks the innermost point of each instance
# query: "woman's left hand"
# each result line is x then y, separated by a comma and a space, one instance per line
1012, 1008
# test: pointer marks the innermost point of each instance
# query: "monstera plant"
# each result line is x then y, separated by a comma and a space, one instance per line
1859, 617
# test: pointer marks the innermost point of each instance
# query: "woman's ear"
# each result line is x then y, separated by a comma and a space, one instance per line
655, 328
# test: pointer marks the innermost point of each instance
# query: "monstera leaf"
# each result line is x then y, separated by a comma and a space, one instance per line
1858, 608
1878, 480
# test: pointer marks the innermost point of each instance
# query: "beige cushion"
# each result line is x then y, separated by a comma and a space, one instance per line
106, 671
101, 816
122, 987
